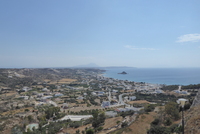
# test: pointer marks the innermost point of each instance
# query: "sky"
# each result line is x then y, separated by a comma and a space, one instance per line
67, 33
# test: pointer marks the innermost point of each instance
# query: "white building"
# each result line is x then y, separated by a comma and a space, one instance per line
58, 94
24, 97
111, 113
76, 117
105, 104
45, 90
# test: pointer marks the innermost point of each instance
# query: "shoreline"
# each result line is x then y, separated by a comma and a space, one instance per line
155, 79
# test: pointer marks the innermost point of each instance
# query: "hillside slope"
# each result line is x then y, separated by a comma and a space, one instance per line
192, 118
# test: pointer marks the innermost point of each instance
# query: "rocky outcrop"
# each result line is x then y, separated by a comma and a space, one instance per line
196, 101
122, 72
192, 117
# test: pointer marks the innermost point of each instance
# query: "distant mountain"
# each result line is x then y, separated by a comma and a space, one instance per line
119, 67
90, 65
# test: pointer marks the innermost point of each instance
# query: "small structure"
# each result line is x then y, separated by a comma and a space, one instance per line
111, 113
131, 98
80, 98
45, 90
25, 89
114, 91
52, 103
40, 94
128, 109
58, 94
93, 93
76, 117
65, 106
181, 92
105, 104
100, 93
32, 126
184, 92
159, 91
84, 94
121, 110
46, 97
24, 97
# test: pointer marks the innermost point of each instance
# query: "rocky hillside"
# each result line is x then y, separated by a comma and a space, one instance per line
12, 77
27, 77
196, 101
192, 118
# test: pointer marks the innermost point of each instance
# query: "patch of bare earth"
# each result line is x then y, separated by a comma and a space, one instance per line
138, 102
141, 124
73, 130
12, 112
11, 93
62, 81
9, 123
109, 123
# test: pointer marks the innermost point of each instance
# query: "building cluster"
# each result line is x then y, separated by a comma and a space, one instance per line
82, 92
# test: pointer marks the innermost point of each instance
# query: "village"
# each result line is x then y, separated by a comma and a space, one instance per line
71, 101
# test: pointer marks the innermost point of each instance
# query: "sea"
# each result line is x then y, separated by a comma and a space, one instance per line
167, 76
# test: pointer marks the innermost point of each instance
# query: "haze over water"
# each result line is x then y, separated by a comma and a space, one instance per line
168, 76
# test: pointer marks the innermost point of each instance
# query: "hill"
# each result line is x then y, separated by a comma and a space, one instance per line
28, 76
192, 117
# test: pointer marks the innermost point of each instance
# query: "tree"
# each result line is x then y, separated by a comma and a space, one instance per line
51, 111
102, 117
26, 110
118, 122
149, 107
30, 118
90, 131
187, 106
98, 119
83, 132
78, 131
158, 130
168, 122
16, 130
171, 109
155, 122
124, 124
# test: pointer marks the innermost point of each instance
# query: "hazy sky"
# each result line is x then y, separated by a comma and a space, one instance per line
65, 33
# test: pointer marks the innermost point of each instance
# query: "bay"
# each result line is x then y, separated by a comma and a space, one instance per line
168, 76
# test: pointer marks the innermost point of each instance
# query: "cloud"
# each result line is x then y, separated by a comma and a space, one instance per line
189, 38
138, 48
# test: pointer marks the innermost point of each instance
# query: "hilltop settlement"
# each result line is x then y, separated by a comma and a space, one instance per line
83, 101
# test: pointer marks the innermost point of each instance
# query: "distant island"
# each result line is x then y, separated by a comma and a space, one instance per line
122, 72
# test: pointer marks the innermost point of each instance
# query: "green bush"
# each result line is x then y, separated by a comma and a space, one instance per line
90, 131
149, 108
124, 124
75, 124
26, 110
123, 114
158, 130
168, 122
155, 122
172, 109
99, 128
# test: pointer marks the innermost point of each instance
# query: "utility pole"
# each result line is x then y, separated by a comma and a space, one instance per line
183, 119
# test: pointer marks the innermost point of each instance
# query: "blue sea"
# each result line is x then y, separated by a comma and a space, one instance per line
168, 76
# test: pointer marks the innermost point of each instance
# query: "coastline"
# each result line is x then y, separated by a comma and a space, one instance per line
166, 76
